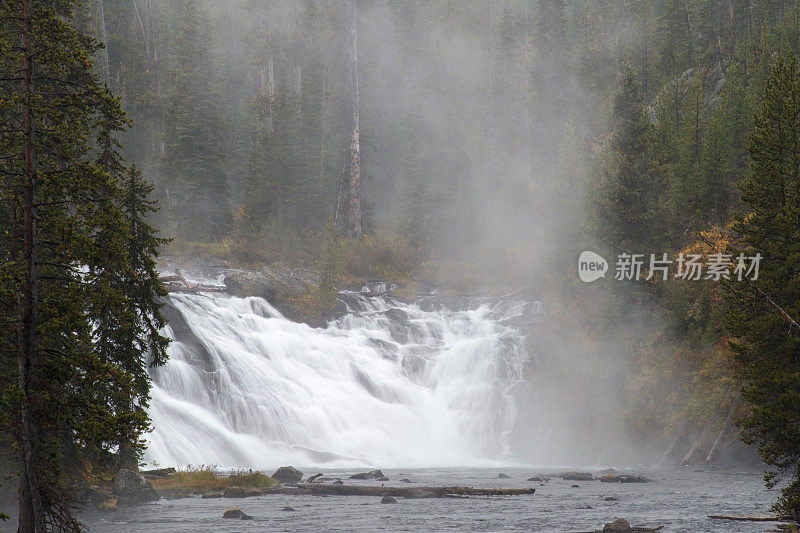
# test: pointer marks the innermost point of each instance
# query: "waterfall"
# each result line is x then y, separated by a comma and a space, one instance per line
388, 384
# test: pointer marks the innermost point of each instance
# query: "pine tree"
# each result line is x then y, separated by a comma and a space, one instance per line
625, 188
687, 189
193, 164
62, 209
767, 348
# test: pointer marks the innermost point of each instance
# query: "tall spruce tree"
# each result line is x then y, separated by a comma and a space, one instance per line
62, 207
624, 191
767, 345
193, 162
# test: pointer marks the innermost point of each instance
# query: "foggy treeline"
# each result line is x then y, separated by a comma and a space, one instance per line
497, 140
475, 117
478, 120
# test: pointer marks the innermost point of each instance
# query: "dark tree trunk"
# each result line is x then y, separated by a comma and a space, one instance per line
31, 514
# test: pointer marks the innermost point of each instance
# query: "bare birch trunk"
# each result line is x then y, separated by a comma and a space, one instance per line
270, 96
144, 33
355, 142
713, 451
674, 440
702, 437
106, 69
321, 182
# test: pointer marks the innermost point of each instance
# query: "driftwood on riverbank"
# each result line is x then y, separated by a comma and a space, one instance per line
319, 489
409, 492
316, 489
178, 283
752, 518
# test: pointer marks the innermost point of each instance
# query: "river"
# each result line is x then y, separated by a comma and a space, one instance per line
680, 499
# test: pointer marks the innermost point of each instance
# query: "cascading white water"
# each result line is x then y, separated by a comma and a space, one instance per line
388, 384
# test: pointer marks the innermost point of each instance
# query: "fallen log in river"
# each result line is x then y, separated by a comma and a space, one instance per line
401, 492
784, 518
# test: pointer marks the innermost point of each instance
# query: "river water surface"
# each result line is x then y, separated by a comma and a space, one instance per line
680, 499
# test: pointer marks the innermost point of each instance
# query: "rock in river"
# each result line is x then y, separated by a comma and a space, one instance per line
388, 499
620, 525
287, 474
372, 474
236, 513
133, 486
575, 476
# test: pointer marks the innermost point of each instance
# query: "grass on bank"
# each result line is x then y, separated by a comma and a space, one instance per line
206, 478
382, 254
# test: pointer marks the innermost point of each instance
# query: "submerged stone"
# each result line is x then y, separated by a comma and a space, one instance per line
624, 478
620, 525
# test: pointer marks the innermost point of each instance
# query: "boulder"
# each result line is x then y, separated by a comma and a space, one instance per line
620, 525
383, 479
575, 476
133, 486
287, 474
236, 513
387, 350
372, 474
388, 499
338, 482
396, 315
503, 476
288, 509
281, 288
268, 283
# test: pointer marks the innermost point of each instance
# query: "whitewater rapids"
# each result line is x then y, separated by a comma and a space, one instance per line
389, 384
